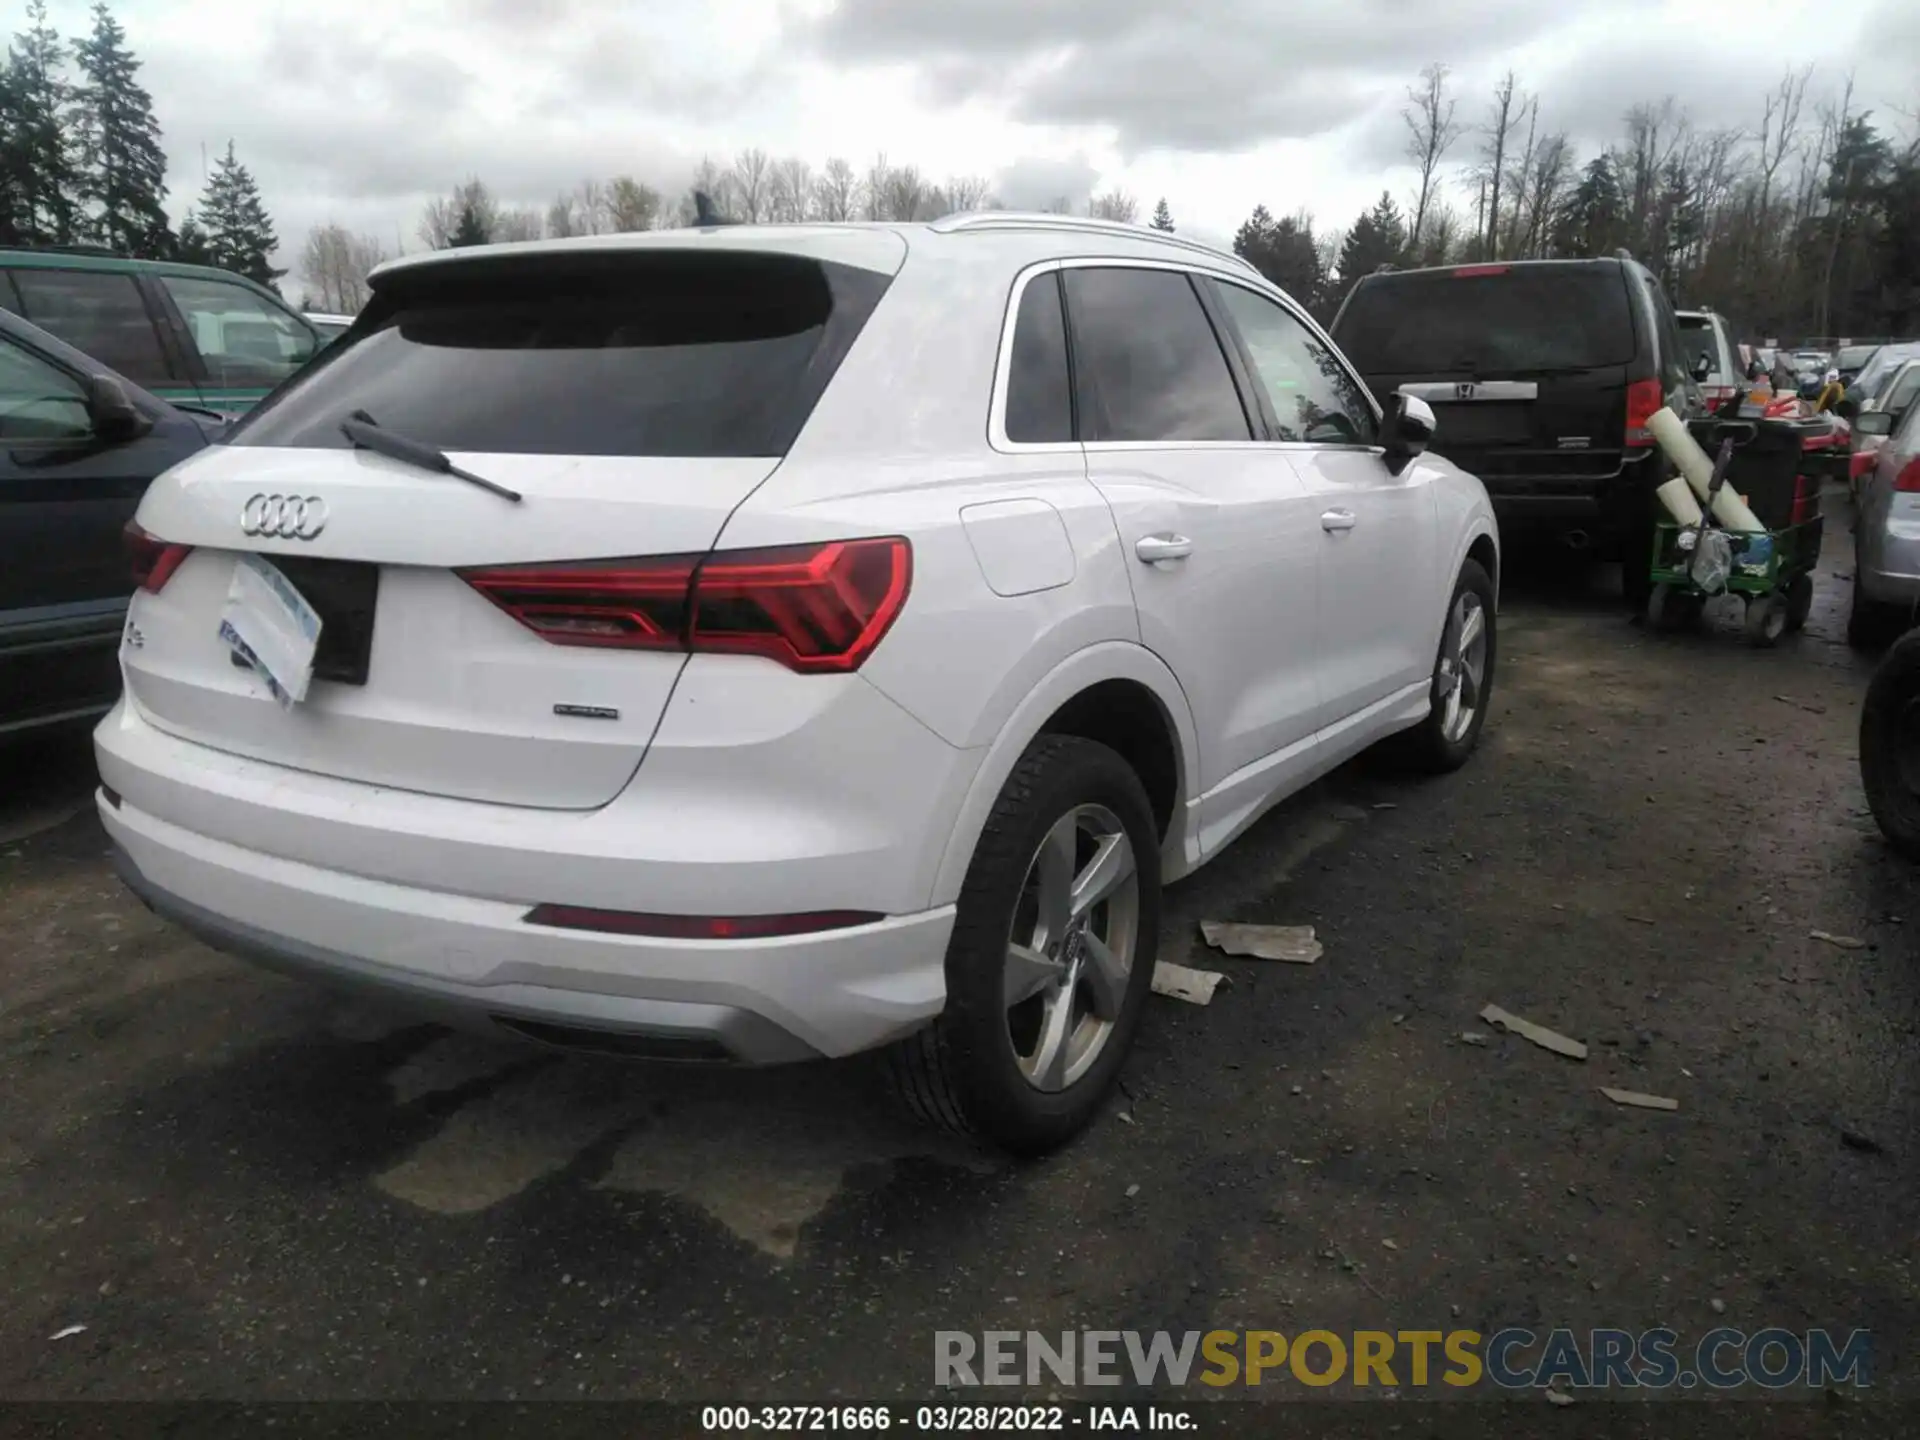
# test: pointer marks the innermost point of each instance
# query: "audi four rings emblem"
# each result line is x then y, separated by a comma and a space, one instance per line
291, 517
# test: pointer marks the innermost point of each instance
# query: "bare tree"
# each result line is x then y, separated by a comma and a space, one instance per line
907, 193
1114, 205
1520, 168
835, 191
1498, 131
1431, 132
335, 264
874, 189
1780, 129
752, 175
967, 192
790, 191
631, 205
519, 222
1835, 122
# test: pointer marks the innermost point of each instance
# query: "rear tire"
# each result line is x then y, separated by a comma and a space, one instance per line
983, 1067
1890, 746
1440, 743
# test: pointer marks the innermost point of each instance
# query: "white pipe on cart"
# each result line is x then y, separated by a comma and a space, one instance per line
1680, 502
1697, 466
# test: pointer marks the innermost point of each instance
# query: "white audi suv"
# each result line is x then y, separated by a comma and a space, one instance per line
755, 644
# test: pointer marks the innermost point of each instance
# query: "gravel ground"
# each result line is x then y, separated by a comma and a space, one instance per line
247, 1189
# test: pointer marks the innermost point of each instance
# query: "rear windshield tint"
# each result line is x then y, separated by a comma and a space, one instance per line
672, 354
1523, 319
1697, 335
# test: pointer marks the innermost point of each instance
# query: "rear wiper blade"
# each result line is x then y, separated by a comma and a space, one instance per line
366, 434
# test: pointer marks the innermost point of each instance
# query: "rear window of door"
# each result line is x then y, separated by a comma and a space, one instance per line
39, 402
1315, 399
1505, 322
245, 339
1039, 391
98, 312
1146, 360
669, 354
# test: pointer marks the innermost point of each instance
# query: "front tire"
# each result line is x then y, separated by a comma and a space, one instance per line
1890, 746
1462, 679
1051, 958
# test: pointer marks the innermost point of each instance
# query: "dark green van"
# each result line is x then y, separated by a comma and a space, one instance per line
190, 334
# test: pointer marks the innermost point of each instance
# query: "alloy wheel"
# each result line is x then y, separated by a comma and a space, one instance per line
1071, 946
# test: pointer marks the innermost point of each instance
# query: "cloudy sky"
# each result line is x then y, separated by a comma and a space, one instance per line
359, 110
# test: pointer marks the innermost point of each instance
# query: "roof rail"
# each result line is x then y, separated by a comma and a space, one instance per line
1623, 253
105, 252
965, 221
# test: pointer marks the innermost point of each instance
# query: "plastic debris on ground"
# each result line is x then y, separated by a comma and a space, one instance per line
1196, 987
68, 1333
1845, 942
1292, 943
1539, 1034
1638, 1100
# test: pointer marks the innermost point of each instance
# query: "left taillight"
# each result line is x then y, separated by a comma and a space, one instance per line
813, 608
1907, 481
151, 559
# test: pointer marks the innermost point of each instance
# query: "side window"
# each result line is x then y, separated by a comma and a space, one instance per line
1676, 373
1039, 394
38, 401
245, 339
1901, 397
96, 312
1147, 362
1314, 397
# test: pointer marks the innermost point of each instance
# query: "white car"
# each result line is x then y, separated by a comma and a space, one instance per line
758, 644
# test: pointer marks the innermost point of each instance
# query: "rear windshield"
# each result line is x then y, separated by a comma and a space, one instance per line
672, 354
1854, 356
1524, 319
1697, 334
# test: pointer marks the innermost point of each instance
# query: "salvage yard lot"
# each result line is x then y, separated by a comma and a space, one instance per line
245, 1188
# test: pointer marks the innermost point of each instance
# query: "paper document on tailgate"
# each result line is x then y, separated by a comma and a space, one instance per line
270, 625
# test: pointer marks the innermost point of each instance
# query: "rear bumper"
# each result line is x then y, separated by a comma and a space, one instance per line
478, 964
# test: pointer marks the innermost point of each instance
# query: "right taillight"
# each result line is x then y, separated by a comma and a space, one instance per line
813, 608
151, 559
1643, 398
1908, 478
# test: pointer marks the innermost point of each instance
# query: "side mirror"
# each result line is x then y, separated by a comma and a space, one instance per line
1703, 367
114, 415
1406, 429
1875, 422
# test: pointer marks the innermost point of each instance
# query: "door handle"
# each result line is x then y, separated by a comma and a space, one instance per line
1338, 520
1157, 548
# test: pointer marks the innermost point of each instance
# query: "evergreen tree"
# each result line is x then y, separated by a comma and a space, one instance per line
190, 244
15, 169
1378, 238
41, 179
469, 227
239, 232
1162, 216
1284, 251
122, 167
1593, 221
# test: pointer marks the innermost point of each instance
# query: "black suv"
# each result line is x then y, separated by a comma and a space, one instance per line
78, 444
1543, 374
